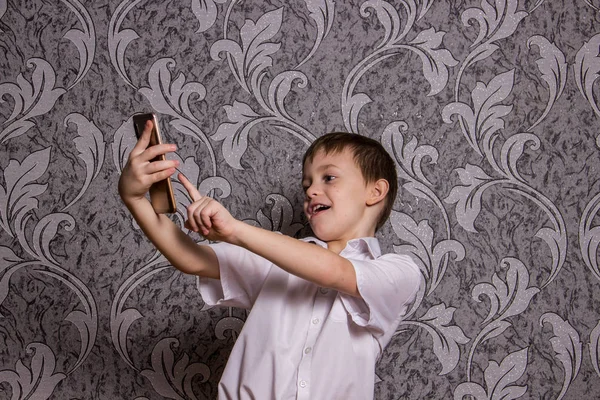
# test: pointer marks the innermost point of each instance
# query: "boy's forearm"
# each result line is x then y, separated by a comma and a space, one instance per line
305, 260
181, 251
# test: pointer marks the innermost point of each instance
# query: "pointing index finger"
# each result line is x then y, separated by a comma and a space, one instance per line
191, 189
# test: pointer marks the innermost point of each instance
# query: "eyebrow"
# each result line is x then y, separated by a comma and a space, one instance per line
321, 168
324, 167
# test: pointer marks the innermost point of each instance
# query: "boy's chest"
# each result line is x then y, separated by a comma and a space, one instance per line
305, 333
298, 307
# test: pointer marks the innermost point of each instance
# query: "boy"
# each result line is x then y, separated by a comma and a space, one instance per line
324, 307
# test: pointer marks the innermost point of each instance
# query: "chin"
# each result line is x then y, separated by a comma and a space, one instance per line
315, 232
323, 236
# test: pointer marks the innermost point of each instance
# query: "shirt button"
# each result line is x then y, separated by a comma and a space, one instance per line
323, 290
315, 321
307, 350
302, 384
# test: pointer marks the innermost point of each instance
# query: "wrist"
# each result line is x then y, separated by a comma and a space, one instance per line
239, 233
132, 202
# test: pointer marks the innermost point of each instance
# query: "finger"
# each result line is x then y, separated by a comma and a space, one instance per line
144, 139
201, 215
157, 166
161, 175
188, 225
158, 150
191, 189
194, 211
206, 217
191, 220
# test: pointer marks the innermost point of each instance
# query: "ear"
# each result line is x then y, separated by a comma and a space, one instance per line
377, 191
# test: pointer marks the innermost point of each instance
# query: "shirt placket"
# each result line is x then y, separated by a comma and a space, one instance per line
316, 324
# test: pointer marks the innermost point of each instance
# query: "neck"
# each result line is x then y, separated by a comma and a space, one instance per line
338, 245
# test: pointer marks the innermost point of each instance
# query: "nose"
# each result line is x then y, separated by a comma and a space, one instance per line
311, 191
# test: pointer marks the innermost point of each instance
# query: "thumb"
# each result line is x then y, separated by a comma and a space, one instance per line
143, 138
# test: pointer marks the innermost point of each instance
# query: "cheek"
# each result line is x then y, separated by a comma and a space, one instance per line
334, 190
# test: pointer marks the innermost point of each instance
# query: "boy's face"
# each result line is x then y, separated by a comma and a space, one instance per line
336, 195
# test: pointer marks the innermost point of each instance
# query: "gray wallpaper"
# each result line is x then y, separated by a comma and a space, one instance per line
489, 107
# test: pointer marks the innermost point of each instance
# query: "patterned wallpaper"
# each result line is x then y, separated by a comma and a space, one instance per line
489, 108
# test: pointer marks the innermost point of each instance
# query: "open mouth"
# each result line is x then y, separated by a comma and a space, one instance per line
318, 208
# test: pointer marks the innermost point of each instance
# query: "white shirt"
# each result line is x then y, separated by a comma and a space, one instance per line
302, 341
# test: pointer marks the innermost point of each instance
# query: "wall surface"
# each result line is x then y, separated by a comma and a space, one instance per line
489, 107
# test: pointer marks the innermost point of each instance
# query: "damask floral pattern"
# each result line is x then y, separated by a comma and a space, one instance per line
489, 108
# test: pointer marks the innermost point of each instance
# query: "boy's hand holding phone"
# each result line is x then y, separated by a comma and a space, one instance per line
143, 169
148, 170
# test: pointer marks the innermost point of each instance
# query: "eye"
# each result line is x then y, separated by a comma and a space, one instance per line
328, 178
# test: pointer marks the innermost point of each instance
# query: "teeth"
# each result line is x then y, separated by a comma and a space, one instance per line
320, 207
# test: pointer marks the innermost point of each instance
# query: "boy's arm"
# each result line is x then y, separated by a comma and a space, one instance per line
136, 179
305, 260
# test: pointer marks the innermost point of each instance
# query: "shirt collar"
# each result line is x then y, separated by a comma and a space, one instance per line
363, 245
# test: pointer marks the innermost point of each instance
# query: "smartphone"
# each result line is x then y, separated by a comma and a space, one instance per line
162, 196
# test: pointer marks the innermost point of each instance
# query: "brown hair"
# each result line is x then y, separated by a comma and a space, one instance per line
369, 155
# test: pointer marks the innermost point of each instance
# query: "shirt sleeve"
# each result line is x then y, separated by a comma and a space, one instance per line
387, 285
242, 276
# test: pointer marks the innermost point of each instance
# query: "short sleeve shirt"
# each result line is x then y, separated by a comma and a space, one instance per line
302, 341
